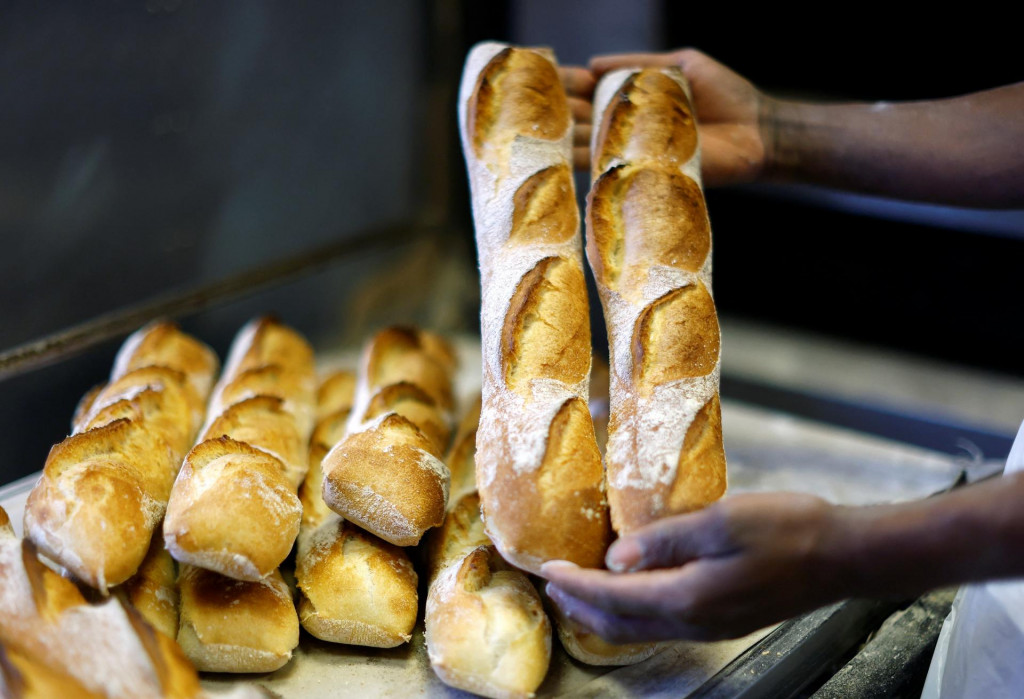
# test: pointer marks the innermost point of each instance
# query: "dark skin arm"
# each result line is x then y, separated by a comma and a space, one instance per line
752, 560
965, 151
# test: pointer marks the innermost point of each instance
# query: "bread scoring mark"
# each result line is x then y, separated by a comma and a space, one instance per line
648, 118
544, 208
547, 327
676, 337
517, 93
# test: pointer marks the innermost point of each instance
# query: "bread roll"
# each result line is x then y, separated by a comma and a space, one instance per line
649, 245
486, 630
107, 648
233, 510
356, 588
387, 475
153, 590
538, 467
236, 626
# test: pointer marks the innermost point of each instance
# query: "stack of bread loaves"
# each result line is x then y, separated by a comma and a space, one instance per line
234, 512
356, 588
55, 644
105, 488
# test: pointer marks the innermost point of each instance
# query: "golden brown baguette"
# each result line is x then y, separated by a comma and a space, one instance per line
356, 588
649, 245
101, 495
486, 630
233, 510
236, 626
162, 343
539, 471
153, 590
460, 458
387, 475
269, 358
107, 648
104, 488
235, 507
25, 677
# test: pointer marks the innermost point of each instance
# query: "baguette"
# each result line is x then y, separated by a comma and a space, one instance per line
236, 626
649, 245
486, 630
153, 590
235, 508
539, 470
105, 487
387, 475
25, 677
107, 648
591, 649
356, 589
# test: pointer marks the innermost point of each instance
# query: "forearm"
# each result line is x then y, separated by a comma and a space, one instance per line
966, 151
973, 534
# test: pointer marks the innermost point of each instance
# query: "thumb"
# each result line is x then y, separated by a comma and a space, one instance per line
667, 543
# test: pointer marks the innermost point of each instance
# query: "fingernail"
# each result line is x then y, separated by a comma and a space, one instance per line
624, 555
555, 565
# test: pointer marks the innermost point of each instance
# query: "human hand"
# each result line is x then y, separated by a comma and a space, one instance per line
737, 566
734, 117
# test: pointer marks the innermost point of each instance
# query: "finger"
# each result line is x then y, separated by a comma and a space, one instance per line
644, 593
582, 110
581, 157
578, 81
599, 65
619, 629
670, 542
581, 136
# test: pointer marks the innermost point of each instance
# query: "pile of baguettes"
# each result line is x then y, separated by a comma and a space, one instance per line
181, 494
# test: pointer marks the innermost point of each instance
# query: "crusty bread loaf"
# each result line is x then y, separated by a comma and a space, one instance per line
538, 467
25, 677
356, 588
161, 343
591, 649
101, 494
268, 358
104, 488
649, 245
235, 507
107, 648
461, 456
233, 510
153, 590
387, 475
236, 626
486, 630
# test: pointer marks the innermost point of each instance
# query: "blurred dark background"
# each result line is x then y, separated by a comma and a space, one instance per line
147, 147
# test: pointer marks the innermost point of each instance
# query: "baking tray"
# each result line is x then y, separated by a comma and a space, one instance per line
766, 450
